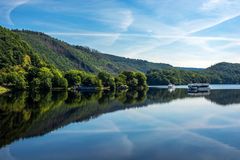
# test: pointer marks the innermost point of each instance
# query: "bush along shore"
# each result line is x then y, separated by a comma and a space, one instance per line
81, 80
46, 78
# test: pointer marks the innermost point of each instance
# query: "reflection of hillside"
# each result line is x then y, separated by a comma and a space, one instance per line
25, 115
19, 111
156, 95
224, 97
221, 97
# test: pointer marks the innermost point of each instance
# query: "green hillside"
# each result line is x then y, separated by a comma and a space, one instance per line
65, 56
225, 67
220, 73
24, 68
30, 59
225, 72
13, 50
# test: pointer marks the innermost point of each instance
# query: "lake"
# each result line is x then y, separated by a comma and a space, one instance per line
154, 124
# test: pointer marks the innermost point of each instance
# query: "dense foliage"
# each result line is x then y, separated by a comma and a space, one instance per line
107, 80
22, 68
67, 57
221, 73
135, 80
125, 80
14, 51
174, 76
82, 78
43, 63
226, 73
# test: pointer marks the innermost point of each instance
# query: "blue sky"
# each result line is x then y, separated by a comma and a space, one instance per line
196, 33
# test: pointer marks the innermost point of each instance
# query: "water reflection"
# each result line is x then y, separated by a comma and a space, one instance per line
224, 97
24, 115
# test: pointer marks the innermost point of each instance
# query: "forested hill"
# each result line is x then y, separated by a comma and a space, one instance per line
226, 72
14, 51
225, 67
25, 55
65, 56
220, 73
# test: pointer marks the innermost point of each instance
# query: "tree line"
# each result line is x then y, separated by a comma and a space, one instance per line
174, 76
42, 76
221, 73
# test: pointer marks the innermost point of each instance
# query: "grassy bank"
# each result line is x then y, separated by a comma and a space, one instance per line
3, 90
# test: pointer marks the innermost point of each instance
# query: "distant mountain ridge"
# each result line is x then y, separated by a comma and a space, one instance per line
65, 56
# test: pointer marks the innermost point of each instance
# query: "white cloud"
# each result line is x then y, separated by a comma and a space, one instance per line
116, 19
142, 32
127, 20
206, 23
107, 15
131, 35
7, 6
213, 4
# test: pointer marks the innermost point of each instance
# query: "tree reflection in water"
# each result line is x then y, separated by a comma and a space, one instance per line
24, 114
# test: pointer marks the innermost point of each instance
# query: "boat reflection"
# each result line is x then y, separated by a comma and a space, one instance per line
206, 93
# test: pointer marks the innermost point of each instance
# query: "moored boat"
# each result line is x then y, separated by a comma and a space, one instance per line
170, 86
198, 87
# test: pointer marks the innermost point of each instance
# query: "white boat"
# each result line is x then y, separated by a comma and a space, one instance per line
171, 86
198, 87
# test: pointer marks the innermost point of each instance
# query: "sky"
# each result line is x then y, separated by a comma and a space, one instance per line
186, 33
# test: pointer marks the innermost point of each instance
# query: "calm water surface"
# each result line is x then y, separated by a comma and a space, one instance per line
153, 124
